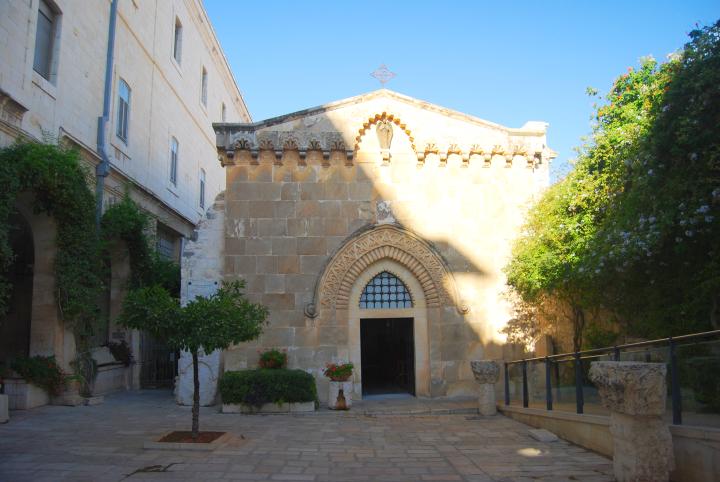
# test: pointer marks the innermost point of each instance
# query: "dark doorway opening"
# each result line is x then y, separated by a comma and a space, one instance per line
15, 327
387, 348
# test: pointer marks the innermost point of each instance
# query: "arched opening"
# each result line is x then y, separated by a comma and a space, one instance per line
15, 327
388, 331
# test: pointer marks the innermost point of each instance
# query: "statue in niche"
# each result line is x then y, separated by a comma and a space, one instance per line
384, 132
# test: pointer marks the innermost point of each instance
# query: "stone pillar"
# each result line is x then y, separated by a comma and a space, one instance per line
635, 393
486, 373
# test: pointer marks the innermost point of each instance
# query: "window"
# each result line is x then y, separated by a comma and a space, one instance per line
44, 40
223, 112
177, 41
174, 148
385, 290
203, 88
202, 188
166, 243
123, 111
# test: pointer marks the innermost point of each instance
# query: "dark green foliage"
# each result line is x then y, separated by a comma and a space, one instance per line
273, 358
597, 337
42, 371
59, 184
257, 387
633, 230
125, 221
121, 352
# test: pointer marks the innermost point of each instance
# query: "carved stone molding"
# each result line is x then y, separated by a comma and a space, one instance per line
384, 242
383, 118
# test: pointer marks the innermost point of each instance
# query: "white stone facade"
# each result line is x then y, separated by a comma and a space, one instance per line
165, 94
167, 100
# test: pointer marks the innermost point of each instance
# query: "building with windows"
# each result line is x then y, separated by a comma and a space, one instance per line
168, 82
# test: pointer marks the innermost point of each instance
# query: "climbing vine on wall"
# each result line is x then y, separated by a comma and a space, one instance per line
127, 222
58, 182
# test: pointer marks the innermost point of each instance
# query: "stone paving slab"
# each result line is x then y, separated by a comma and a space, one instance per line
105, 443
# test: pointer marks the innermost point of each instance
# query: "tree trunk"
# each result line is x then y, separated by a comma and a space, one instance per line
196, 397
578, 320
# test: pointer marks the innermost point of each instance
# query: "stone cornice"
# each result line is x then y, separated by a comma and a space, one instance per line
529, 129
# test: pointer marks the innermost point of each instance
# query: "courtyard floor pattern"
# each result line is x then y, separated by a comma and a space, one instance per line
104, 443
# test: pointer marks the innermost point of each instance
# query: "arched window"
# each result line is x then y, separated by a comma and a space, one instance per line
385, 290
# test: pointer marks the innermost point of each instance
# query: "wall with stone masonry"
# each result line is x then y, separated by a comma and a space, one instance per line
300, 186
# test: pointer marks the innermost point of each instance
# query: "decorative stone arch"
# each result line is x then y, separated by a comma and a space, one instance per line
383, 117
391, 242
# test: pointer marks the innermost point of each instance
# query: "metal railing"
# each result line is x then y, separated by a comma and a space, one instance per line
552, 362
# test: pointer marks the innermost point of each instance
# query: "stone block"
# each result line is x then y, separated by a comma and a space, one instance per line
330, 209
271, 227
297, 227
288, 264
245, 264
632, 388
290, 191
282, 301
258, 246
311, 245
300, 283
311, 192
307, 209
336, 191
335, 227
266, 264
284, 209
275, 283
261, 209
542, 435
315, 227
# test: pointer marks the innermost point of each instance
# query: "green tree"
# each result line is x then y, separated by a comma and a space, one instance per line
205, 323
632, 230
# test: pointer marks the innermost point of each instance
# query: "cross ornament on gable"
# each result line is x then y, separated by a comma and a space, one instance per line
383, 75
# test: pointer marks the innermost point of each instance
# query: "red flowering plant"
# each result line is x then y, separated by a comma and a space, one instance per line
338, 372
273, 358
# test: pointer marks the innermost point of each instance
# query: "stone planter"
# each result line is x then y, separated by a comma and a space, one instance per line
269, 408
486, 373
23, 395
4, 408
340, 395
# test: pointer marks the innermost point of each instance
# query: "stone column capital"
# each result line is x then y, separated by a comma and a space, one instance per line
632, 388
485, 371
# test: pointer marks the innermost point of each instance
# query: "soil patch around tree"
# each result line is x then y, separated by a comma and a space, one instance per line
186, 437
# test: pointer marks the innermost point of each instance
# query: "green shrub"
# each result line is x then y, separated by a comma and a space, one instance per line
42, 371
273, 358
257, 387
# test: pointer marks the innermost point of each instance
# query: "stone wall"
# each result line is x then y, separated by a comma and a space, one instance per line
291, 210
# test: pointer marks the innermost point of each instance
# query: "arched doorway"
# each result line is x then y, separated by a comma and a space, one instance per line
388, 335
15, 327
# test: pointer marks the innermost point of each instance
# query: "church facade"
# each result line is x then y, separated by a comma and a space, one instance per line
375, 229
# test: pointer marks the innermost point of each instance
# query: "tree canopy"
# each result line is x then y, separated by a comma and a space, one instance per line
633, 228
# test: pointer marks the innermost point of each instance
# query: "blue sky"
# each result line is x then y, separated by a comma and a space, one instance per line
506, 62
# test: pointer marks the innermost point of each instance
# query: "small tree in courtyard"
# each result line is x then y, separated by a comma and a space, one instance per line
207, 323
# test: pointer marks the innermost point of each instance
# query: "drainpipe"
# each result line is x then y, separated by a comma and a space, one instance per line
103, 168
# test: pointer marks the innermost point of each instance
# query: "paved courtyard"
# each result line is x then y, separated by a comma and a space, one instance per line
105, 443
